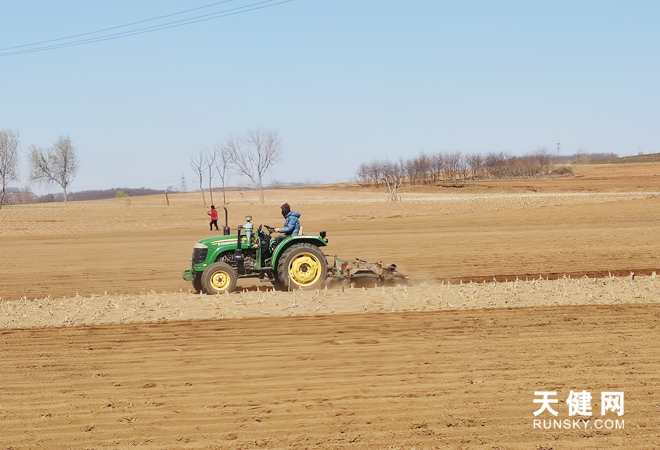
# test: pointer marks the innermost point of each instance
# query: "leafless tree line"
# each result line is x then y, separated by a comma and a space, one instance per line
251, 157
456, 166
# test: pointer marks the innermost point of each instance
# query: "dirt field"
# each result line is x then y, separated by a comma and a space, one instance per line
517, 287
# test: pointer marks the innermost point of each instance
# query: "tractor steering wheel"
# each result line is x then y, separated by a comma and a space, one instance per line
271, 230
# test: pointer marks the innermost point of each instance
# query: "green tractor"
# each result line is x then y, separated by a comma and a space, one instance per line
295, 262
292, 263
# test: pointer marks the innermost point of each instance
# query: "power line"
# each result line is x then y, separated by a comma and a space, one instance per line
178, 23
115, 27
151, 29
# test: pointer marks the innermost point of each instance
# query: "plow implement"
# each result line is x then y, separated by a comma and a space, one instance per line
348, 270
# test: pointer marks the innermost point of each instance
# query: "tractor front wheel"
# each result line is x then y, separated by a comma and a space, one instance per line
197, 283
302, 266
218, 278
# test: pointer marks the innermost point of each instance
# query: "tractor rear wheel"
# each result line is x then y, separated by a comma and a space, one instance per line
302, 266
218, 278
277, 284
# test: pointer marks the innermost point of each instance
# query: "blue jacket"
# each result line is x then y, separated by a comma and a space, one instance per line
291, 224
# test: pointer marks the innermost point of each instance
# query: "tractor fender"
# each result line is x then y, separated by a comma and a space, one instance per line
218, 254
293, 240
217, 257
212, 257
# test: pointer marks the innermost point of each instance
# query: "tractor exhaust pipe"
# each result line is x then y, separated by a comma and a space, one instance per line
226, 230
238, 254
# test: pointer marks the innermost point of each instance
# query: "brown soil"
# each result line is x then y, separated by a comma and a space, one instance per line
104, 347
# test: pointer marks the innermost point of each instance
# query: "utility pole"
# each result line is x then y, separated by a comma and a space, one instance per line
183, 183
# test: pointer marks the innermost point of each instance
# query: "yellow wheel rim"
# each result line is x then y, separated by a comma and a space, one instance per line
305, 269
220, 280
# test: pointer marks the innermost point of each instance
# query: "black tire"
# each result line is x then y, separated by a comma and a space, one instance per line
197, 283
219, 278
302, 266
277, 284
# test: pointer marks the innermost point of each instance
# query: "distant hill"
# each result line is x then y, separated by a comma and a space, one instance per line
652, 157
112, 193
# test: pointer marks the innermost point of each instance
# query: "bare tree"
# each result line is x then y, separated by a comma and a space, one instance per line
424, 168
362, 175
476, 164
418, 169
59, 164
253, 158
393, 175
411, 170
197, 164
544, 157
8, 159
209, 163
221, 166
453, 163
376, 169
496, 164
439, 166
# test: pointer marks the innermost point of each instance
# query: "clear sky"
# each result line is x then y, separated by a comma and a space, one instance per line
342, 81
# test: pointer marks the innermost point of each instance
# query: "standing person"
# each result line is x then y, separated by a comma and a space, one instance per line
291, 225
214, 218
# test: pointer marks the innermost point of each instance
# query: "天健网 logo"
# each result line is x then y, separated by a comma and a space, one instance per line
579, 403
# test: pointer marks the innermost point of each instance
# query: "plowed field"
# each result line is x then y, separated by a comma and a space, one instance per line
517, 287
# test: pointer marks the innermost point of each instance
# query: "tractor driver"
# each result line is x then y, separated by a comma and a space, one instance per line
291, 225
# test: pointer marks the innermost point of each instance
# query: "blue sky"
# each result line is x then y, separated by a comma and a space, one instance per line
343, 82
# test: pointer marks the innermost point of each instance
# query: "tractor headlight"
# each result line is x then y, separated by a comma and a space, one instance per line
199, 253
